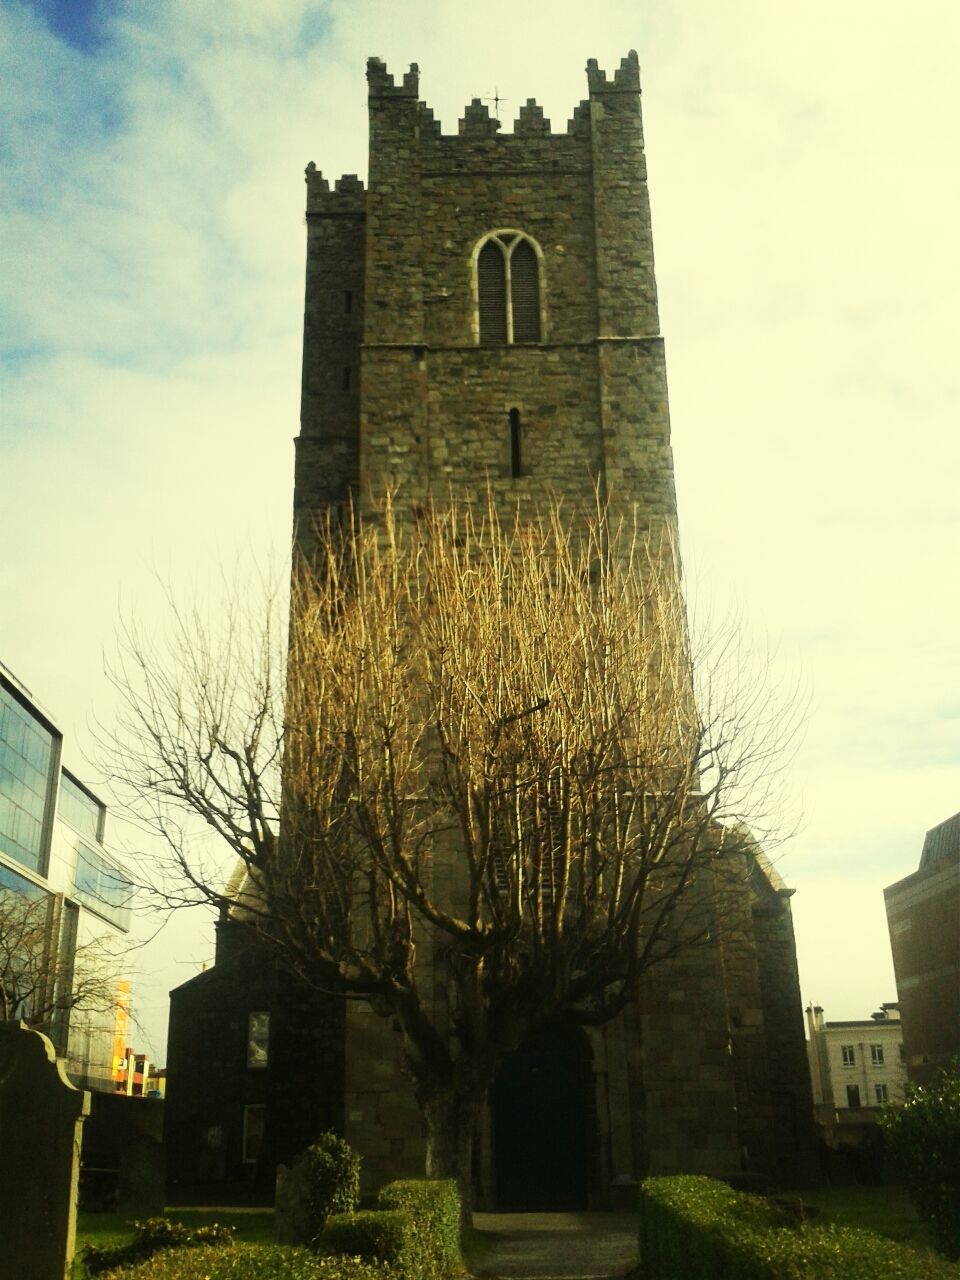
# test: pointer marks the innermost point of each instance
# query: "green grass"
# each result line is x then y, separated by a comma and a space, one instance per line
886, 1211
251, 1226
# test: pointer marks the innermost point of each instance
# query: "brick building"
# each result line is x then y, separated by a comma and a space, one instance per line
923, 916
485, 313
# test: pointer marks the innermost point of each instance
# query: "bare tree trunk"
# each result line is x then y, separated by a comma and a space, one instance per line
451, 1119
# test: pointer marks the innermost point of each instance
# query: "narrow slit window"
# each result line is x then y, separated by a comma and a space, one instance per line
346, 377
348, 301
515, 453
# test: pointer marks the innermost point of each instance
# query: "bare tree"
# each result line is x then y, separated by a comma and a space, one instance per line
491, 761
43, 977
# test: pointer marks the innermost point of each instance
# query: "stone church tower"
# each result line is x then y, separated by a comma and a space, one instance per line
487, 310
486, 314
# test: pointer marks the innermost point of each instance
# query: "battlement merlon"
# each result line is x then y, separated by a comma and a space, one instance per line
531, 121
626, 79
347, 197
381, 83
477, 121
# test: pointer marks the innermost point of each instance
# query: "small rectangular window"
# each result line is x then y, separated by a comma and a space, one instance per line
258, 1039
880, 1093
848, 1054
348, 301
876, 1055
254, 1122
853, 1095
346, 378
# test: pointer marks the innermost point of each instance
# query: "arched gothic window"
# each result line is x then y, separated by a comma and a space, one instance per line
507, 289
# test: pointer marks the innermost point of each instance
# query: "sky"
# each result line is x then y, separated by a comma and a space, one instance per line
806, 198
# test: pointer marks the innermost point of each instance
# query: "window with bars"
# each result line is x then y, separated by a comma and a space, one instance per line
508, 292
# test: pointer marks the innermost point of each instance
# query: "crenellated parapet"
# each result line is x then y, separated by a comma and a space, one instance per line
347, 196
477, 120
381, 83
626, 79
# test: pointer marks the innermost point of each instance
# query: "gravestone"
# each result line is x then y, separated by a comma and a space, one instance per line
141, 1191
41, 1114
295, 1218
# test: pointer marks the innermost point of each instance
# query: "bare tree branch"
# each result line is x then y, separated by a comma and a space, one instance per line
487, 742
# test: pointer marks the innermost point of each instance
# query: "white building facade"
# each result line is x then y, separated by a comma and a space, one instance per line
856, 1068
52, 856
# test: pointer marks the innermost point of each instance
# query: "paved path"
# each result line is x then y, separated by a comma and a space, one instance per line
579, 1246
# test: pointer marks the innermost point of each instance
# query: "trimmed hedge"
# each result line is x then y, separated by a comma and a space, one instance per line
434, 1208
415, 1231
376, 1235
155, 1235
693, 1228
250, 1262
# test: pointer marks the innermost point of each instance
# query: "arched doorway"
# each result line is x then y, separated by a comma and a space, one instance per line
543, 1123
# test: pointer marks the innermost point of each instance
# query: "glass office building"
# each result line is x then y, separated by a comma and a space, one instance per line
64, 900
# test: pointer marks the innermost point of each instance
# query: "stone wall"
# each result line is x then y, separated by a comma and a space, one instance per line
792, 1147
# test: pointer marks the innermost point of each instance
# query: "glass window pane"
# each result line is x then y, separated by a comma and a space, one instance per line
81, 811
26, 756
258, 1039
254, 1121
103, 887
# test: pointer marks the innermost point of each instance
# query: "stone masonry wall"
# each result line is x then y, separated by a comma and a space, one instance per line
327, 459
793, 1153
